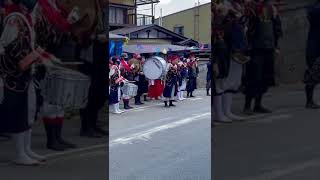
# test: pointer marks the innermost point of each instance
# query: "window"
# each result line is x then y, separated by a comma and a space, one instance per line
179, 30
117, 15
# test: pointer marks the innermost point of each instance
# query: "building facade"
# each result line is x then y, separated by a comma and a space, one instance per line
193, 23
123, 13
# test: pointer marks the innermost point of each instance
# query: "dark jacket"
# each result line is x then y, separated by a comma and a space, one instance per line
221, 56
265, 34
209, 72
313, 42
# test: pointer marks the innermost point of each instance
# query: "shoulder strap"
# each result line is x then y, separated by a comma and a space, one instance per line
26, 23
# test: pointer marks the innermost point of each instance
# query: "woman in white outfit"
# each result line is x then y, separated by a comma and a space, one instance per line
19, 59
182, 78
115, 80
230, 44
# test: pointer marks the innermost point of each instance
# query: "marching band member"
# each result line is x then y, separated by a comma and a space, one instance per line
192, 76
312, 74
209, 77
182, 78
264, 32
126, 72
171, 81
49, 36
156, 88
145, 82
139, 77
115, 80
230, 43
18, 109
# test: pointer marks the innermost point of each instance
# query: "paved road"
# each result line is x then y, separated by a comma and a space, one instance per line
88, 161
79, 165
281, 146
156, 143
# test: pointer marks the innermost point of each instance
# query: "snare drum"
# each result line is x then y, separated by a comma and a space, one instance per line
129, 89
65, 87
155, 68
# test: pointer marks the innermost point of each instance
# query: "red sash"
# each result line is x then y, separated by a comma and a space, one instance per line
54, 16
125, 65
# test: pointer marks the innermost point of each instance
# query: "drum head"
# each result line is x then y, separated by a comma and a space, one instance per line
152, 70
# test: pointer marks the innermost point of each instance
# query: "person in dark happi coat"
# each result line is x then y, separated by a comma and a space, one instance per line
171, 82
209, 77
192, 76
140, 80
312, 75
126, 72
264, 32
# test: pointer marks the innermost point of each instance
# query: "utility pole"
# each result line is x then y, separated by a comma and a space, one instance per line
197, 21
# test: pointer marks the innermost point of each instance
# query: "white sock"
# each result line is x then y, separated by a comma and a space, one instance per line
22, 157
118, 108
218, 112
27, 146
114, 106
182, 92
227, 105
179, 95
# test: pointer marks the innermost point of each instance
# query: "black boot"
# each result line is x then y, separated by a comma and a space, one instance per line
188, 94
101, 131
138, 101
126, 104
171, 103
166, 104
247, 106
61, 140
145, 98
208, 90
258, 108
191, 95
309, 95
52, 142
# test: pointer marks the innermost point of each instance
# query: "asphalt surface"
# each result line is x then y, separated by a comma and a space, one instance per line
279, 146
88, 161
81, 166
158, 143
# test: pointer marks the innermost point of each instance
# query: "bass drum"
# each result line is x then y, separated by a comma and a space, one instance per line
155, 68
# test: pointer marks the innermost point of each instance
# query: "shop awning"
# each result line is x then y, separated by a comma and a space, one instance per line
154, 48
117, 37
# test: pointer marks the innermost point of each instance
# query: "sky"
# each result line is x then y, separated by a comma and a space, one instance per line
170, 6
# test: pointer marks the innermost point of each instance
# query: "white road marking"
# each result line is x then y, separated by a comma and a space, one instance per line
276, 174
79, 150
146, 135
195, 99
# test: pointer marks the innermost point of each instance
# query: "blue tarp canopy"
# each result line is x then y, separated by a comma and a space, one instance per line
116, 44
